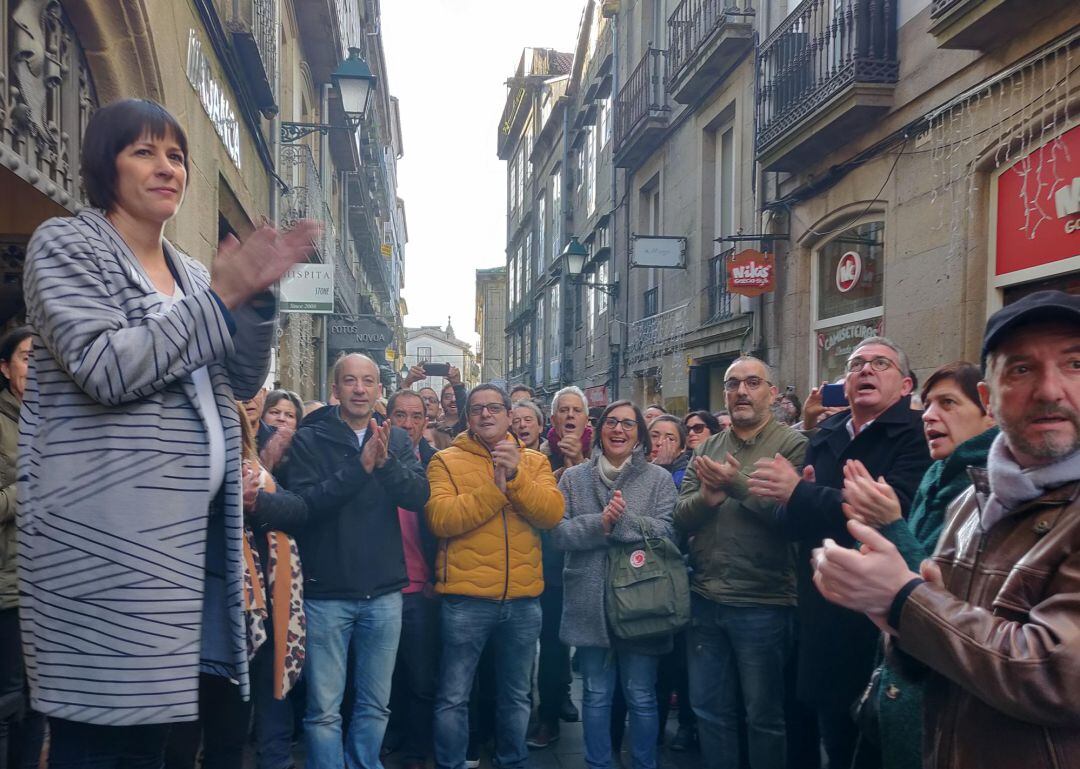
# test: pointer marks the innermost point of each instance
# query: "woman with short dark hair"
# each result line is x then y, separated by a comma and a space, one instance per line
131, 447
959, 432
616, 497
700, 426
21, 729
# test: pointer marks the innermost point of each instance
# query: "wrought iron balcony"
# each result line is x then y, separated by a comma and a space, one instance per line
253, 25
641, 111
824, 75
706, 38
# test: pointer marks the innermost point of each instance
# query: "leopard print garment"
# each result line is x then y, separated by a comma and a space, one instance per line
290, 627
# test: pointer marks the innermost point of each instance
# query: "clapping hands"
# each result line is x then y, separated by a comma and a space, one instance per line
613, 511
377, 448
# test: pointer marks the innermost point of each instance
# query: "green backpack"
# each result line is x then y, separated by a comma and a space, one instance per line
648, 590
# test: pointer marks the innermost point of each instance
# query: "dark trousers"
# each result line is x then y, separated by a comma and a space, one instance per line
416, 674
74, 745
553, 666
21, 729
672, 676
222, 728
274, 722
840, 735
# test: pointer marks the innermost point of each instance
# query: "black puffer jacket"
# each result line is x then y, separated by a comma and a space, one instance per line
351, 543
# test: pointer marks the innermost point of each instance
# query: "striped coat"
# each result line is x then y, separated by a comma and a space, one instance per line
116, 546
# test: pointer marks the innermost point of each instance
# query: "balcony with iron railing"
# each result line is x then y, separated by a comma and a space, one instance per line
982, 24
824, 75
253, 27
706, 39
304, 199
641, 111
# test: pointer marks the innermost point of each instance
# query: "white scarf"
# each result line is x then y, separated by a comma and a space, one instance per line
609, 473
1011, 485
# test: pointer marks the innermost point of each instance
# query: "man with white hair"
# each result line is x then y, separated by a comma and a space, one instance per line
570, 434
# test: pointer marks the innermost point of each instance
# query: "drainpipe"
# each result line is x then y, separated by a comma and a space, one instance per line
613, 374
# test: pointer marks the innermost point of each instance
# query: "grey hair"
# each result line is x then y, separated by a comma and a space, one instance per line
884, 341
570, 390
751, 359
533, 406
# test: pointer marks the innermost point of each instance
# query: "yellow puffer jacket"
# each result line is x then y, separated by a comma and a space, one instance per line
489, 546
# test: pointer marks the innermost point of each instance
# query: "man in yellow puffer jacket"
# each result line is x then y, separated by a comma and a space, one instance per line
489, 497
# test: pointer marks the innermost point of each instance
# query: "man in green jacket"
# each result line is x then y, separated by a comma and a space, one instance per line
743, 577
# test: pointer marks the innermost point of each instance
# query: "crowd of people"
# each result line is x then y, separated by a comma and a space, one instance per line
888, 583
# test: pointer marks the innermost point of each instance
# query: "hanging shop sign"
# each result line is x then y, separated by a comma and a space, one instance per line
596, 397
848, 271
751, 273
358, 333
308, 288
213, 97
657, 251
1038, 209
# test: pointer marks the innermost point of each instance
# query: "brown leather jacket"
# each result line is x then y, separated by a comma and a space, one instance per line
1003, 638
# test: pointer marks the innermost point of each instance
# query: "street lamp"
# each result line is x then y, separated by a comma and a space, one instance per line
573, 258
354, 82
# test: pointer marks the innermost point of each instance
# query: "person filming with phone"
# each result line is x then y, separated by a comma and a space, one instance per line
837, 646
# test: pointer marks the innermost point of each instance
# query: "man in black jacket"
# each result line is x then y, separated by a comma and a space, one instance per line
354, 472
837, 646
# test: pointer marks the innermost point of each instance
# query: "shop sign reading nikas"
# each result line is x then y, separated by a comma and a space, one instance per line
751, 273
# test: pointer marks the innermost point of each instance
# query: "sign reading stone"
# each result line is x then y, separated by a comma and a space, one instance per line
308, 288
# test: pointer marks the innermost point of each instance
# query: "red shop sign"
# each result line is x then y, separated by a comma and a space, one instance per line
1038, 206
596, 396
751, 273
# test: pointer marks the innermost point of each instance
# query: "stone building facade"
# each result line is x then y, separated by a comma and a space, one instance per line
910, 163
491, 323
231, 73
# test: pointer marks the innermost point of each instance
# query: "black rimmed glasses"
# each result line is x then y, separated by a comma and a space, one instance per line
752, 383
492, 408
878, 363
627, 424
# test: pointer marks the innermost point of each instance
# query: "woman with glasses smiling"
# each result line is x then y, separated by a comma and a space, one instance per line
614, 498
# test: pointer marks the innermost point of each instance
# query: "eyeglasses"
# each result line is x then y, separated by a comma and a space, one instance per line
627, 424
429, 399
880, 363
492, 408
752, 383
697, 427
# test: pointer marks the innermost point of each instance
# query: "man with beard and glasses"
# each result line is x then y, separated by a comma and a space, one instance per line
743, 577
995, 614
837, 647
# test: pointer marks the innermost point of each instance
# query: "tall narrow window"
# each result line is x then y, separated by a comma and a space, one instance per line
556, 333
587, 151
541, 231
556, 215
541, 329
527, 265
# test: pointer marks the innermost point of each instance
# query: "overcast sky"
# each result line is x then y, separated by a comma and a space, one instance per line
448, 61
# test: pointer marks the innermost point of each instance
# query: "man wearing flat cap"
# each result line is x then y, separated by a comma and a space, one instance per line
994, 617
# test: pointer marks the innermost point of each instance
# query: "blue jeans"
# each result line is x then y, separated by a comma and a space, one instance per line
513, 627
372, 628
638, 673
739, 647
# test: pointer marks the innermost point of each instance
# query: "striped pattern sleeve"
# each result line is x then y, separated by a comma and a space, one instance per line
86, 326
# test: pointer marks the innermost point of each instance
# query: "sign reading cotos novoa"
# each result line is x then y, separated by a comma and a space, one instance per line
346, 332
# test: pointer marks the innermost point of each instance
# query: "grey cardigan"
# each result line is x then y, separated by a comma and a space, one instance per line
649, 493
129, 587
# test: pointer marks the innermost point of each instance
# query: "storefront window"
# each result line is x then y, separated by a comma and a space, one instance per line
848, 298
